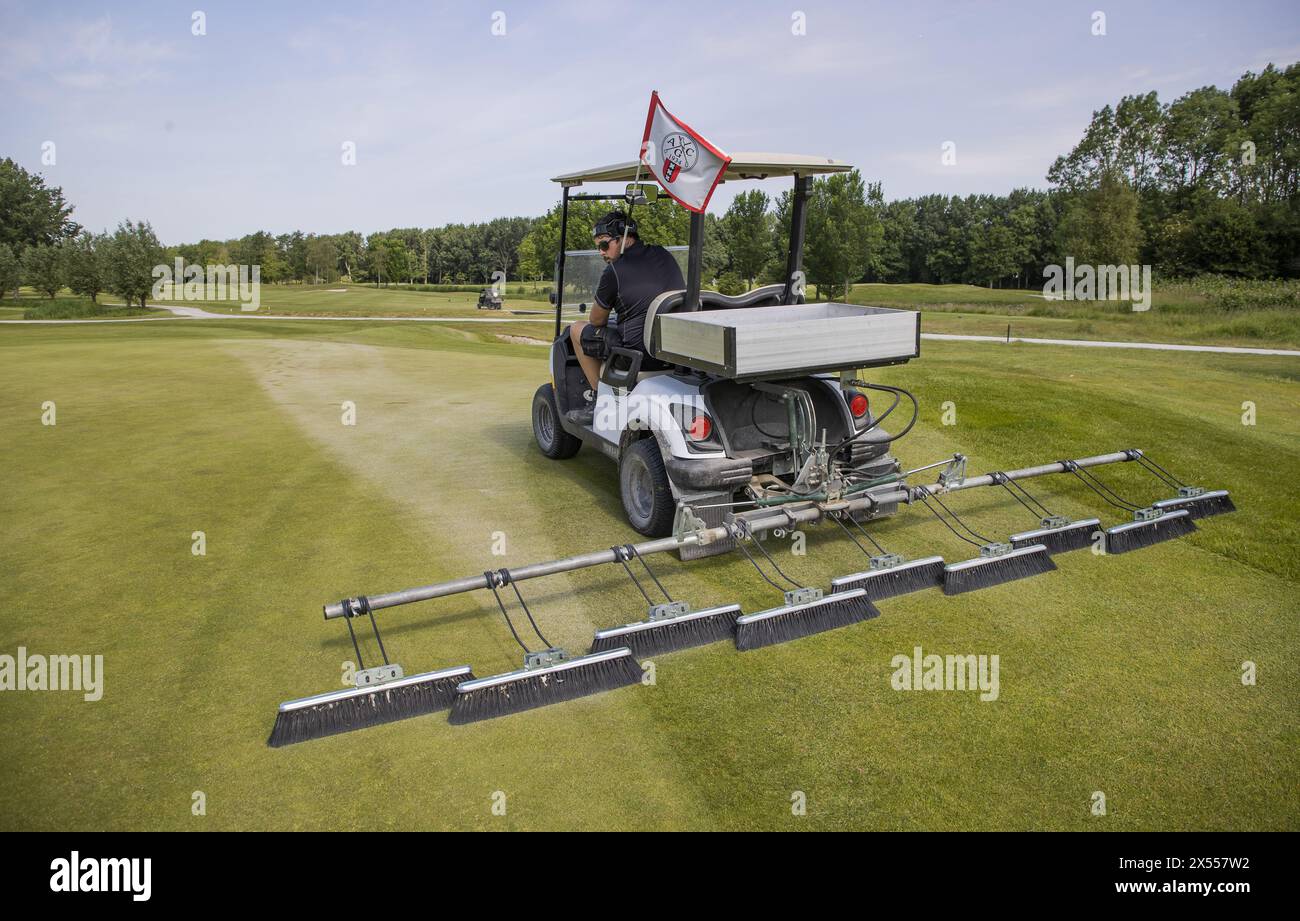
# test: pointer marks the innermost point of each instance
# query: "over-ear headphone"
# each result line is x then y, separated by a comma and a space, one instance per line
614, 226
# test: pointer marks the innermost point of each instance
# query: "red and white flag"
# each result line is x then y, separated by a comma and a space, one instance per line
685, 164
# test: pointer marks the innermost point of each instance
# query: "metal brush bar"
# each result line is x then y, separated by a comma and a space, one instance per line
754, 521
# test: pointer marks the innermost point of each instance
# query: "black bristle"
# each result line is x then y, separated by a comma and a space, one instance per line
983, 572
1202, 506
654, 637
1074, 536
530, 688
1138, 534
792, 622
367, 708
893, 581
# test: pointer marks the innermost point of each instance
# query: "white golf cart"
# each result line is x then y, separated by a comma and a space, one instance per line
754, 399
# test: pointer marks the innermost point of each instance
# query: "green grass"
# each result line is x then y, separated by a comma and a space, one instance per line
1118, 674
1183, 312
366, 300
64, 308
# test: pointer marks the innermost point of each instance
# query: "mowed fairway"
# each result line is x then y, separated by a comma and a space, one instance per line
1117, 674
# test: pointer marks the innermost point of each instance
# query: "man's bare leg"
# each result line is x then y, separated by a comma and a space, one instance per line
590, 366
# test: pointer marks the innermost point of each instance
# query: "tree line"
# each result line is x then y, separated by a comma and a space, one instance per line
1209, 183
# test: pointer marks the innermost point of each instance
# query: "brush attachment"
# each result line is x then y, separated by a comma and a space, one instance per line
1203, 505
1134, 535
889, 581
792, 621
994, 566
358, 708
1072, 535
667, 634
531, 687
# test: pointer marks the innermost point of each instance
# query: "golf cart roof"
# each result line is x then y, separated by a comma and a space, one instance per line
742, 166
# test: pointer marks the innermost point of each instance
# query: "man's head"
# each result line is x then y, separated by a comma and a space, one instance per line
608, 234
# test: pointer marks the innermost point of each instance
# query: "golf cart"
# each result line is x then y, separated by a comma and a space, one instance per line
489, 299
754, 400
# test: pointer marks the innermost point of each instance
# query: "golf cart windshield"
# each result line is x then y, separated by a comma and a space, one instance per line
582, 268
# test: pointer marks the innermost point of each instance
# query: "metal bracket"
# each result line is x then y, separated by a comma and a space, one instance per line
1147, 514
547, 657
955, 473
995, 549
1054, 521
887, 561
802, 596
1190, 492
369, 677
668, 610
687, 524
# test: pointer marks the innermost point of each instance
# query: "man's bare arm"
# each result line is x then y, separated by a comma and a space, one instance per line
599, 315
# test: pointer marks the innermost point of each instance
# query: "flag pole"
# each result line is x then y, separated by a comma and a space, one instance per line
623, 243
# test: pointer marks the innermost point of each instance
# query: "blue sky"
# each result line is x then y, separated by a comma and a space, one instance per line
242, 128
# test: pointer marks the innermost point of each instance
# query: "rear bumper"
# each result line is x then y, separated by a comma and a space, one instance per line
715, 473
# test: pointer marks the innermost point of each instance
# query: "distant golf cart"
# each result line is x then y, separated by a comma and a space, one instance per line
489, 299
753, 398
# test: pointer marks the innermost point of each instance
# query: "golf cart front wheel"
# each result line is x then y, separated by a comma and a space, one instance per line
554, 441
647, 494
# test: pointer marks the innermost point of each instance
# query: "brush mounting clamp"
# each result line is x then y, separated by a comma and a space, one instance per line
996, 548
886, 561
1147, 514
1190, 492
668, 610
1051, 522
545, 658
802, 596
369, 677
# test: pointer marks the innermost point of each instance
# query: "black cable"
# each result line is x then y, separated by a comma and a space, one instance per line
925, 500
632, 550
1116, 499
1045, 510
759, 545
619, 554
741, 544
364, 602
864, 550
347, 619
964, 526
505, 573
875, 543
884, 388
1157, 471
491, 583
1002, 480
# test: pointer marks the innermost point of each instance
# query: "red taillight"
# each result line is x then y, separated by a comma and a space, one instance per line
858, 405
701, 427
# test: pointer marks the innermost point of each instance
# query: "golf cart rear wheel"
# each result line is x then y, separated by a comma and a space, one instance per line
647, 494
554, 441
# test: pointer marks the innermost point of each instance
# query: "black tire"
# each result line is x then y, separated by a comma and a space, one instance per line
554, 441
647, 495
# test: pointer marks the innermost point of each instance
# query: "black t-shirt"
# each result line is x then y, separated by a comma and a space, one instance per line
630, 284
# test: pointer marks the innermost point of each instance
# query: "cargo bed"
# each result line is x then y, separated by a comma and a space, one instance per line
762, 342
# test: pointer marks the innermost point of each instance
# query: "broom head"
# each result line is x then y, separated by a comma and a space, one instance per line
1062, 538
1134, 535
994, 566
528, 688
900, 578
667, 634
1203, 505
358, 708
792, 621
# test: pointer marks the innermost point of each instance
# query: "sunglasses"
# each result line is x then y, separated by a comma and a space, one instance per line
604, 244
